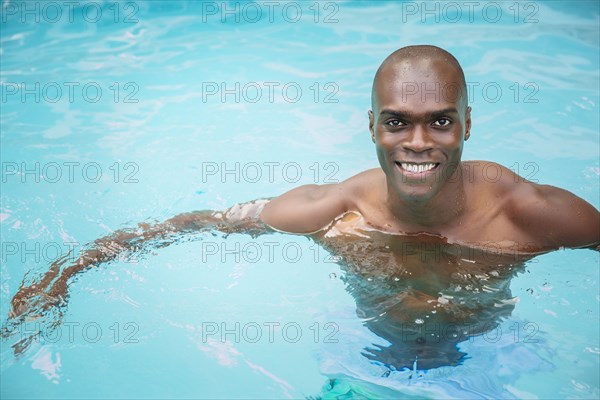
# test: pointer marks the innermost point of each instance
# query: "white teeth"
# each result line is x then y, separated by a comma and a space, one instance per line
418, 167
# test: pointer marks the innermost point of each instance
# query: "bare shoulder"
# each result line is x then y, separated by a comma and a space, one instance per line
551, 216
309, 208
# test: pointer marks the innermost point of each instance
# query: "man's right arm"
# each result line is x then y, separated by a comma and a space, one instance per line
52, 288
306, 209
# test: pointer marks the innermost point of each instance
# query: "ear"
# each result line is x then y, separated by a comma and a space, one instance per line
468, 123
371, 124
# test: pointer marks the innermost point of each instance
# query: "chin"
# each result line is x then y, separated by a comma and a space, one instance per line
416, 194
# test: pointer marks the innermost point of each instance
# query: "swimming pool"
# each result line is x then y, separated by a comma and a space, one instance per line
145, 110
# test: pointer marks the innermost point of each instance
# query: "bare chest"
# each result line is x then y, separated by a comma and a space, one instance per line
484, 229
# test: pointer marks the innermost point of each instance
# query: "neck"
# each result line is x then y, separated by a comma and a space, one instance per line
443, 210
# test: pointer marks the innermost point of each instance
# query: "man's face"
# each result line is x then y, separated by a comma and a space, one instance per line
418, 125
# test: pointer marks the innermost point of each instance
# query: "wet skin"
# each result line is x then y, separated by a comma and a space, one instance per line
377, 221
416, 122
457, 292
422, 191
420, 293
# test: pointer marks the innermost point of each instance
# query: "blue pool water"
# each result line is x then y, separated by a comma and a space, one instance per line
145, 110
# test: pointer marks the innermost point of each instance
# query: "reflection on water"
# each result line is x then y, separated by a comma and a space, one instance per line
423, 295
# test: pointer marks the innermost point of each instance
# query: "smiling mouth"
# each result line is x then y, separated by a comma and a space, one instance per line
416, 168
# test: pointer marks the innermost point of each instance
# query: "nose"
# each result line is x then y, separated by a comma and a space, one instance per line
418, 140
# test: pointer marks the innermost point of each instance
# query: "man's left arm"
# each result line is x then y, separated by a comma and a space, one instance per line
555, 217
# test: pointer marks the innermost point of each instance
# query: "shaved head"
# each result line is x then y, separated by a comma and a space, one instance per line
424, 60
419, 119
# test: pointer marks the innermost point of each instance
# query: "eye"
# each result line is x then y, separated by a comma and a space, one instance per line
395, 123
442, 122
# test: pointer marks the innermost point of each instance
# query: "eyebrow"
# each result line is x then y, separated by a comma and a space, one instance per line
409, 115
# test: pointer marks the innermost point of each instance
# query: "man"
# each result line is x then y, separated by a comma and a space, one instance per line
419, 124
386, 222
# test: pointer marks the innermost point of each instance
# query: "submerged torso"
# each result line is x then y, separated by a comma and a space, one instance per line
419, 292
422, 292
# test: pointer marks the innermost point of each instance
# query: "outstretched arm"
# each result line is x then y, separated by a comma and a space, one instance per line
52, 290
